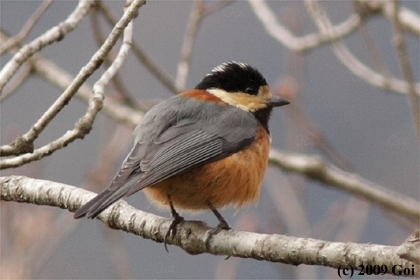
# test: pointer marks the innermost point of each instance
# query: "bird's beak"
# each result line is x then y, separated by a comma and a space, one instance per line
277, 101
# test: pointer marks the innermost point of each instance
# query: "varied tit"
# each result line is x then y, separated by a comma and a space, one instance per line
201, 150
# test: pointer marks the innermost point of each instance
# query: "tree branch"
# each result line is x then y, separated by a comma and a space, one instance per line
409, 19
55, 34
328, 34
117, 81
193, 236
19, 79
316, 169
304, 43
401, 47
410, 249
62, 79
195, 19
24, 32
198, 12
349, 60
84, 125
140, 53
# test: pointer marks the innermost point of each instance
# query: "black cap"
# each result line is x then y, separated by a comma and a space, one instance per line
234, 77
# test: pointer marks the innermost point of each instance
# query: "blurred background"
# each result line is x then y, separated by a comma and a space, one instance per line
334, 114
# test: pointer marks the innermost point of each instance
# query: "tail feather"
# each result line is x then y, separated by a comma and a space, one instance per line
86, 208
100, 202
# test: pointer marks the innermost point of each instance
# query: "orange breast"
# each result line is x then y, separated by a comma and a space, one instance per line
235, 180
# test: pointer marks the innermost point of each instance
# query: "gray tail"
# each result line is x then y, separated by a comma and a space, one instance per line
100, 202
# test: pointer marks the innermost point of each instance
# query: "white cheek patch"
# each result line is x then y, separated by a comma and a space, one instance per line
224, 96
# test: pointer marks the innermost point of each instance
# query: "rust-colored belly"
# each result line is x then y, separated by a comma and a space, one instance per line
235, 180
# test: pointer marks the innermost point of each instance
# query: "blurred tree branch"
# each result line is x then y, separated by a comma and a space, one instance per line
315, 169
332, 34
198, 12
21, 36
403, 56
411, 88
192, 236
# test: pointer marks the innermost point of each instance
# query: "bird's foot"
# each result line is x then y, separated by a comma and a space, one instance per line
222, 225
172, 229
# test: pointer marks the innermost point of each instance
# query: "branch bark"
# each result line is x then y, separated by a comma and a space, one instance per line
193, 236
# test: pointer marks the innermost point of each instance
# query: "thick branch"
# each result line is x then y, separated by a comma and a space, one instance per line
193, 236
410, 249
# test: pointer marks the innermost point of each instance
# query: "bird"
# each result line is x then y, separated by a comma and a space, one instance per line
203, 149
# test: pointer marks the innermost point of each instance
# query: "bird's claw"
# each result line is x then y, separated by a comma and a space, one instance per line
222, 225
172, 230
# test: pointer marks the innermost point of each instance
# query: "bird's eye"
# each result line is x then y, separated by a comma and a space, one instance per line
249, 90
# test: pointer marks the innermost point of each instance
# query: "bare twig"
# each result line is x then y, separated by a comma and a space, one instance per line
315, 169
350, 61
84, 125
310, 41
198, 12
401, 47
193, 236
117, 81
122, 54
407, 18
18, 81
21, 36
53, 35
62, 79
217, 6
304, 43
371, 46
196, 16
141, 54
369, 75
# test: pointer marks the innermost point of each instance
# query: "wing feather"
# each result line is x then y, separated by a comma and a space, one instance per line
184, 141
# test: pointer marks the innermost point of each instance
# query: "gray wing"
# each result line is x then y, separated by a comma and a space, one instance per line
171, 141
